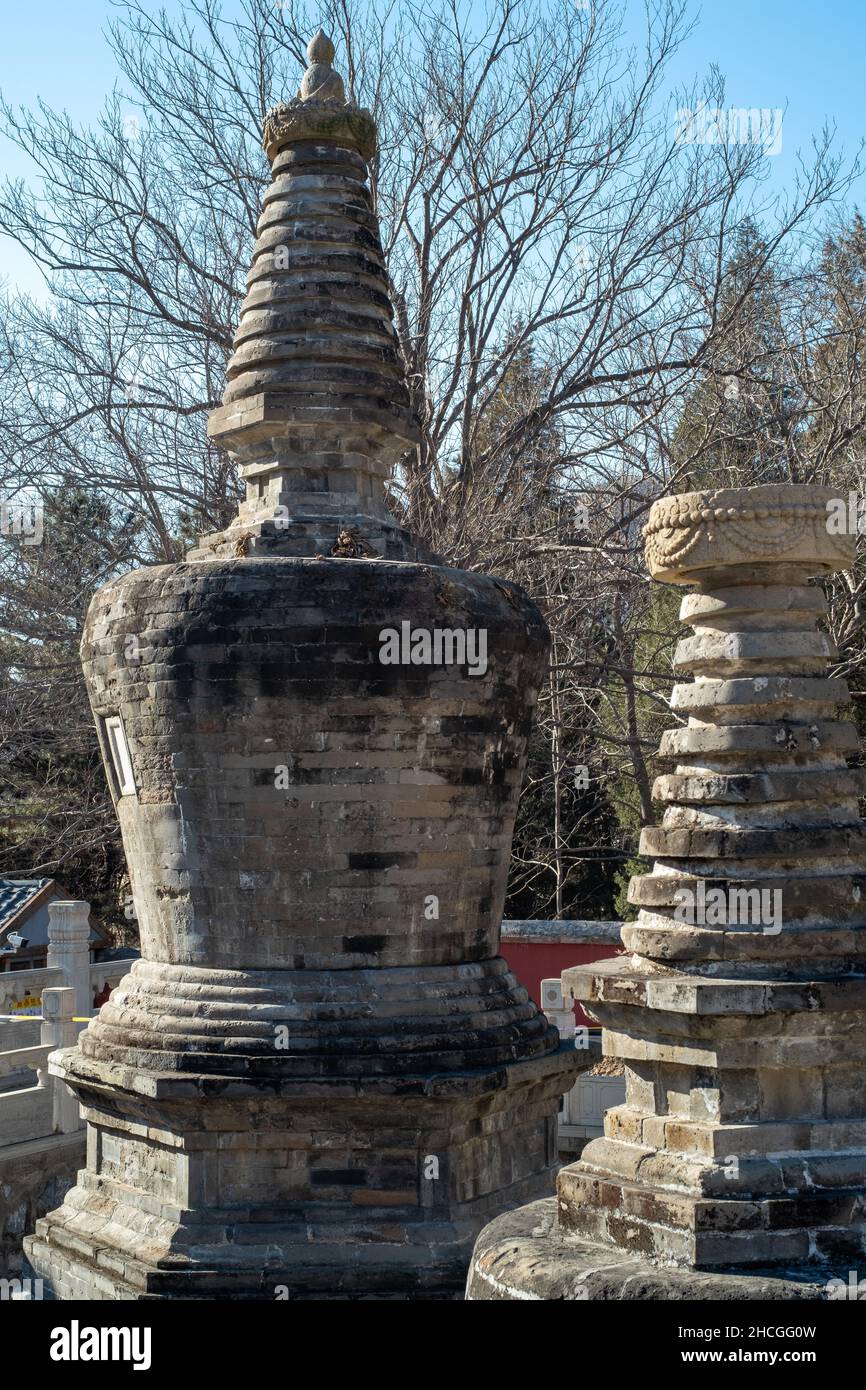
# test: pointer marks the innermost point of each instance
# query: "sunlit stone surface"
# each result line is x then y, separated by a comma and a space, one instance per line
321, 1079
740, 1009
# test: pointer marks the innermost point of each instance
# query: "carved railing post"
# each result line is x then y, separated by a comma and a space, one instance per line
69, 949
59, 1030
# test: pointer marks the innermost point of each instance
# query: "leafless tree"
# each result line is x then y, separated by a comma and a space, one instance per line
558, 266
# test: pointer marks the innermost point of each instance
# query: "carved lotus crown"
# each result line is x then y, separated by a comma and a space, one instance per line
320, 111
776, 523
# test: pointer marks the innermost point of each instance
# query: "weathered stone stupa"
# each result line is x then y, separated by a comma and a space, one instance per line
737, 1166
321, 1078
316, 410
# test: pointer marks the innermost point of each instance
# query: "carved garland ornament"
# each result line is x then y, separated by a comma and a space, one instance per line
674, 530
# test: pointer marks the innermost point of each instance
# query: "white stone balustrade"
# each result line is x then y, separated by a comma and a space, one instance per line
48, 1107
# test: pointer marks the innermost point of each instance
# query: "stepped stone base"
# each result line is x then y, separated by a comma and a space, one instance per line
526, 1255
300, 1189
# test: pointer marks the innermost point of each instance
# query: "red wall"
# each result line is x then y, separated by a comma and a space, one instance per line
534, 961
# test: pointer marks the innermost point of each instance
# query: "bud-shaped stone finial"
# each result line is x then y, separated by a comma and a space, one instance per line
320, 49
320, 82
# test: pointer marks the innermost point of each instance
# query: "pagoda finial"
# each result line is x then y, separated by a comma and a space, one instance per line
316, 409
320, 82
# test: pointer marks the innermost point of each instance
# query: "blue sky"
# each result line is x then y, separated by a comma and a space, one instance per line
802, 56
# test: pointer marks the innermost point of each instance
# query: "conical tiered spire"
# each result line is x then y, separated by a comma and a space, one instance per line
316, 410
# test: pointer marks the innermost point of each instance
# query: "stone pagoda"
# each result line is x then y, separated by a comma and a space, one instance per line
737, 1166
320, 1080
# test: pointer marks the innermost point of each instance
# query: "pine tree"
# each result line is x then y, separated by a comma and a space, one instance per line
735, 427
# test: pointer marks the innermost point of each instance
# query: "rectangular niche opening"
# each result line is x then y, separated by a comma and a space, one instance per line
121, 762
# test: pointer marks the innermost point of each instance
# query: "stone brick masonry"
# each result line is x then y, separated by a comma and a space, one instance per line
321, 1076
740, 1151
